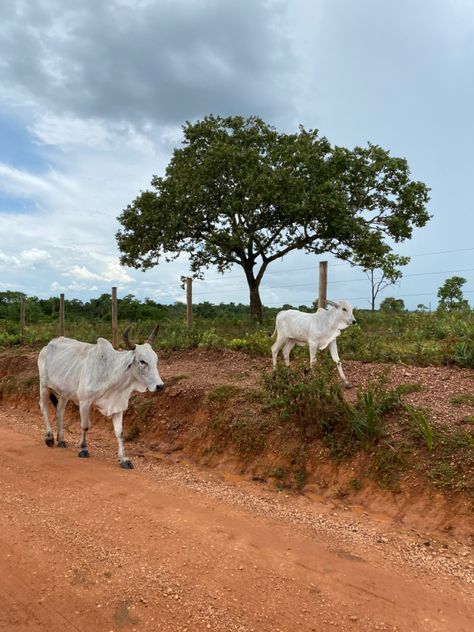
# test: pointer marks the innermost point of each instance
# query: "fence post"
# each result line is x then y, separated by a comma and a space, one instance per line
189, 302
22, 319
323, 283
114, 318
61, 314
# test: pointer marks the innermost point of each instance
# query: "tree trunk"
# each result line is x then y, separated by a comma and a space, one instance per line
256, 304
373, 291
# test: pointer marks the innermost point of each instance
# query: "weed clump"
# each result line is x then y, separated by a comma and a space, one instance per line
310, 400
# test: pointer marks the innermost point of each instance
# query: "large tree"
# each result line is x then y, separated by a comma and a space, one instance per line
240, 193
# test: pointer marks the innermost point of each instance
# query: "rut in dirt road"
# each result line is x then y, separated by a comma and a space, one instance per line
85, 545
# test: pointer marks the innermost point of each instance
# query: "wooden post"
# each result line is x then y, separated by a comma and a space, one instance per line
189, 302
22, 319
323, 283
61, 314
114, 318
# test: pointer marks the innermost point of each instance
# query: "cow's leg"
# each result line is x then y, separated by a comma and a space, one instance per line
276, 347
287, 350
335, 356
44, 399
84, 412
124, 462
62, 401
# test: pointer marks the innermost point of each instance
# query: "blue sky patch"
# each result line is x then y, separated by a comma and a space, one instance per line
17, 148
16, 205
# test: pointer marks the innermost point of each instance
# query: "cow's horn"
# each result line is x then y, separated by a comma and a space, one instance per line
126, 339
332, 303
152, 336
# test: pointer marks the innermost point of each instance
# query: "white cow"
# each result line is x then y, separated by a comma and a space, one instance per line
95, 375
318, 330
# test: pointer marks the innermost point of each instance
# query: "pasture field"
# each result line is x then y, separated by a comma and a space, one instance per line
348, 509
417, 338
396, 423
401, 424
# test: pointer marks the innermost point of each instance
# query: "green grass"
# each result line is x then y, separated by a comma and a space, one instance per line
463, 398
420, 425
223, 393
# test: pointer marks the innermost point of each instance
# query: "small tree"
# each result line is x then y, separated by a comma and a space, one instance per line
450, 295
392, 305
381, 268
240, 193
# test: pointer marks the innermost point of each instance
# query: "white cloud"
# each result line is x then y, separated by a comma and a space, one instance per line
112, 272
20, 183
25, 258
8, 260
68, 132
81, 272
34, 255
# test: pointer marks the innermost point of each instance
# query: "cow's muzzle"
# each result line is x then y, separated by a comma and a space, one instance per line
159, 387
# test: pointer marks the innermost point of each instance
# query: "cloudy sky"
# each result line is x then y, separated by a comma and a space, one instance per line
93, 96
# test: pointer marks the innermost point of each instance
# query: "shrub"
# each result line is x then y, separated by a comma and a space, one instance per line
367, 419
464, 353
210, 340
420, 424
368, 414
258, 342
310, 400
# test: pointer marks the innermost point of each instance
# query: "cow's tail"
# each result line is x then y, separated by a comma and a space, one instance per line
53, 399
274, 333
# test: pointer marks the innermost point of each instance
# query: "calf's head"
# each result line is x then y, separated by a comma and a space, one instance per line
344, 313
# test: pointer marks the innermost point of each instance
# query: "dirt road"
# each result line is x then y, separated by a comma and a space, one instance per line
171, 547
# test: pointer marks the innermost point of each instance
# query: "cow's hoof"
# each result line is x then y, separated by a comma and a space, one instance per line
83, 454
347, 385
127, 465
62, 444
49, 442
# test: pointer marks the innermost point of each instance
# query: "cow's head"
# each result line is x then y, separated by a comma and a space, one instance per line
144, 365
344, 313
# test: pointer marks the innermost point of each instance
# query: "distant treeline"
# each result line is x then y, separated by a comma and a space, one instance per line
129, 308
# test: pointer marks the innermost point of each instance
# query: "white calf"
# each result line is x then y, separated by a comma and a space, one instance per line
318, 330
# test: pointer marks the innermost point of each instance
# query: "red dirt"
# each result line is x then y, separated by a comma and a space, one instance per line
172, 546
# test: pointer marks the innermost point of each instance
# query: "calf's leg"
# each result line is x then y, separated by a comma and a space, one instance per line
276, 347
313, 348
287, 350
335, 356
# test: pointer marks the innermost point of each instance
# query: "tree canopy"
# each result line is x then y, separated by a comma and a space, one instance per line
238, 192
